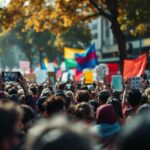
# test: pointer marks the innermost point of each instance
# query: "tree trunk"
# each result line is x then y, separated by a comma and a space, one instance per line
121, 41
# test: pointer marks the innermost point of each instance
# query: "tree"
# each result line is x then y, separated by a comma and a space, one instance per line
45, 44
59, 15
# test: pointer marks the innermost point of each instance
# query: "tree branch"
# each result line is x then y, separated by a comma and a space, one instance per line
91, 16
100, 10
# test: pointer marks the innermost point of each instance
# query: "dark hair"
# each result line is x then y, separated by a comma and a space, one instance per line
12, 91
144, 99
28, 113
82, 96
116, 105
103, 96
40, 103
59, 135
34, 90
54, 104
95, 104
83, 111
9, 115
134, 97
135, 134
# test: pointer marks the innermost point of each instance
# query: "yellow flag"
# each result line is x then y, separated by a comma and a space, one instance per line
70, 52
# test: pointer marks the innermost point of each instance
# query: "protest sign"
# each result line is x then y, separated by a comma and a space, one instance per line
52, 78
65, 77
117, 83
88, 76
136, 83
24, 66
30, 77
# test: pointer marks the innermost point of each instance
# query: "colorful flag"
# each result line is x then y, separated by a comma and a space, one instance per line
134, 67
87, 59
70, 58
45, 64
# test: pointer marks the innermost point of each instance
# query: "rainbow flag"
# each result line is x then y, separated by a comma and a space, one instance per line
69, 56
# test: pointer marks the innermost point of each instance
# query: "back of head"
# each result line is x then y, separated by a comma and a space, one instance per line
10, 114
134, 97
57, 134
82, 96
83, 111
135, 134
116, 105
55, 104
103, 96
40, 103
106, 114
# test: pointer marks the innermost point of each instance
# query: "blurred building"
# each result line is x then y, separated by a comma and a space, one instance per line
106, 46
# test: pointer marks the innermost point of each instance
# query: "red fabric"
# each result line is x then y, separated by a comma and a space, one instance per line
113, 69
106, 114
134, 67
78, 75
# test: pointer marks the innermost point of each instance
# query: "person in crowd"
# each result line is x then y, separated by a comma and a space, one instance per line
10, 118
82, 96
84, 112
107, 126
103, 97
58, 134
134, 100
28, 117
54, 105
135, 134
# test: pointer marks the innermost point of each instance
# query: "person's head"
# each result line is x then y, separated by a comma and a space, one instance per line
10, 117
70, 94
40, 104
95, 104
143, 109
103, 96
144, 99
58, 134
116, 105
147, 92
34, 90
46, 92
134, 97
28, 117
82, 96
135, 134
12, 91
83, 111
106, 114
54, 105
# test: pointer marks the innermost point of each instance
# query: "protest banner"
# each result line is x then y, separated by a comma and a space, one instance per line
117, 83
65, 77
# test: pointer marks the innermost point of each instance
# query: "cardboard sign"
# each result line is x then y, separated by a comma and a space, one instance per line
102, 71
52, 78
65, 77
41, 75
24, 65
88, 77
30, 77
117, 83
136, 83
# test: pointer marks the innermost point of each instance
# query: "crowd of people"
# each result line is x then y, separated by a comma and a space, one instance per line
73, 116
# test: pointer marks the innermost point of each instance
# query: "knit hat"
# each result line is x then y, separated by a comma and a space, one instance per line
106, 114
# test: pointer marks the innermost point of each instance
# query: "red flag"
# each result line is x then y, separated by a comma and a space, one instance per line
113, 70
134, 67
